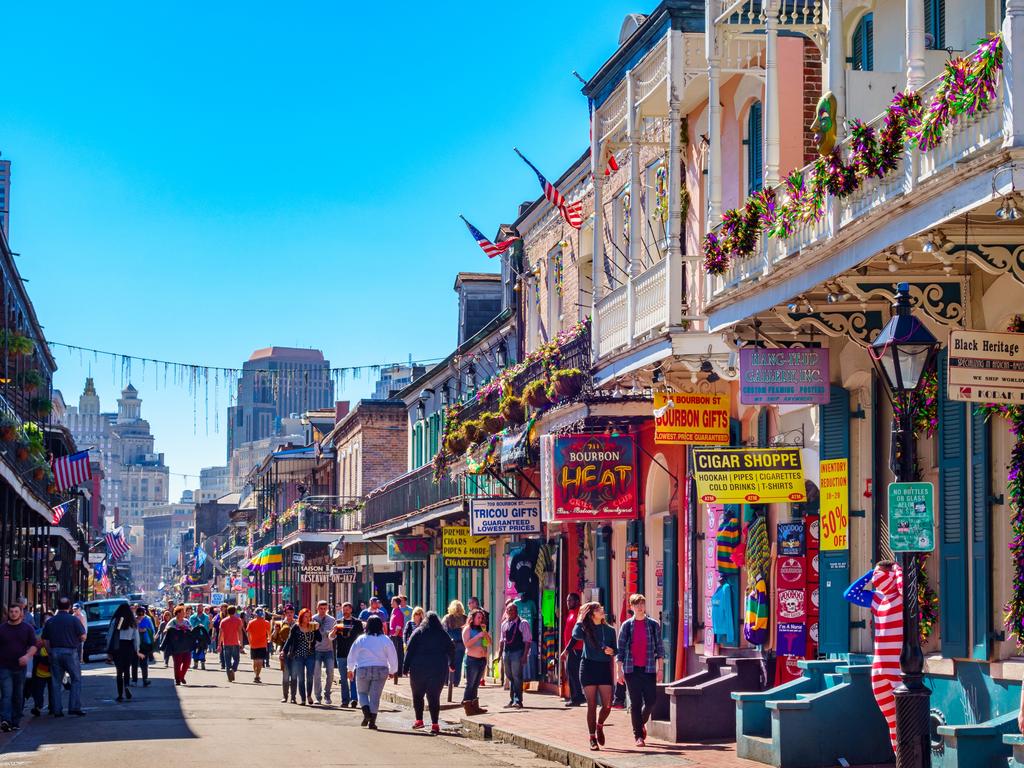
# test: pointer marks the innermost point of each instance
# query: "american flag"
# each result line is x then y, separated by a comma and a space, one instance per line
116, 544
491, 249
60, 510
69, 471
572, 213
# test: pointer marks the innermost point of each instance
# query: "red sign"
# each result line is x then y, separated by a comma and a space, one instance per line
594, 478
791, 572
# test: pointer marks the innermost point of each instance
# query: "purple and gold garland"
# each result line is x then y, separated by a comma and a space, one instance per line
968, 86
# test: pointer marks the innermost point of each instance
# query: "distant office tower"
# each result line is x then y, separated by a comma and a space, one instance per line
277, 382
5, 197
395, 378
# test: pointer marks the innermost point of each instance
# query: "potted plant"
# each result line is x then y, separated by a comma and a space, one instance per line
492, 423
456, 442
16, 344
8, 427
42, 407
513, 409
40, 469
567, 382
536, 393
31, 380
473, 431
30, 442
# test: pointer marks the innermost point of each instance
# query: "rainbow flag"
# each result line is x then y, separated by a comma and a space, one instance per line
269, 559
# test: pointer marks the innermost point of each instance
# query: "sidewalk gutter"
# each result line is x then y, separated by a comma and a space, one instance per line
403, 699
546, 750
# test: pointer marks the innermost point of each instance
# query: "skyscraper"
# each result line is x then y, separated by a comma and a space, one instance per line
5, 197
277, 382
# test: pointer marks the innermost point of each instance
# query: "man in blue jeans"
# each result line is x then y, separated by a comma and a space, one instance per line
17, 647
514, 650
345, 632
63, 637
324, 654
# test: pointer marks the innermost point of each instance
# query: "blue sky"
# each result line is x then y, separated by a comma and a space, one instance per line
193, 182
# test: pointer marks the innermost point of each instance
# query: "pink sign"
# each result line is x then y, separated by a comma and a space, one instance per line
795, 376
713, 513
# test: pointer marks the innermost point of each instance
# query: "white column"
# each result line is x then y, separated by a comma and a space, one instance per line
833, 73
771, 94
635, 211
673, 228
598, 259
1013, 74
915, 44
714, 169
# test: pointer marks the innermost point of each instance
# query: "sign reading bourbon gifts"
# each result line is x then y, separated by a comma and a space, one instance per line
593, 477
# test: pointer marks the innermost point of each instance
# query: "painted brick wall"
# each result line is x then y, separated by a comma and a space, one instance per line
812, 92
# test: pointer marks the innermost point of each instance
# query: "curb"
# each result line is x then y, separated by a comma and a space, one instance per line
405, 700
543, 749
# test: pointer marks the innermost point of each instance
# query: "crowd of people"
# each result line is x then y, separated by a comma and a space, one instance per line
367, 649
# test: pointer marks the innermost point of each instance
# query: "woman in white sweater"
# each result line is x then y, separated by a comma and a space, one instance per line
370, 660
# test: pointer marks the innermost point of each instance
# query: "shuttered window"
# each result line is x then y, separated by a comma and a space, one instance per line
952, 520
755, 148
981, 536
863, 44
834, 623
935, 24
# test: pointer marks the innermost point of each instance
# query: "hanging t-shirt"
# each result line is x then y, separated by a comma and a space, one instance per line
755, 620
723, 617
727, 540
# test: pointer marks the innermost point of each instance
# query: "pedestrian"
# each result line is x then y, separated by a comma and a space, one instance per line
476, 640
640, 649
147, 638
123, 647
406, 608
396, 630
417, 618
165, 619
42, 674
258, 630
17, 647
572, 652
514, 650
280, 637
375, 609
229, 641
299, 651
346, 630
179, 642
596, 667
429, 662
454, 622
63, 637
200, 619
324, 657
370, 660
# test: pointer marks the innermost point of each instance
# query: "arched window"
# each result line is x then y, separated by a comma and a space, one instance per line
755, 148
935, 24
863, 48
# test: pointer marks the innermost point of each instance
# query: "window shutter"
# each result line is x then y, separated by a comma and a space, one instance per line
755, 148
670, 597
869, 42
940, 23
952, 520
603, 566
834, 622
929, 18
635, 537
981, 536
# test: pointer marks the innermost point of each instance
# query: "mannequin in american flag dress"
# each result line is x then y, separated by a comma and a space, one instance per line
887, 614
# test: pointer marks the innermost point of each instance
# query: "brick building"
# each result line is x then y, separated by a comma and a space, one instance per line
370, 445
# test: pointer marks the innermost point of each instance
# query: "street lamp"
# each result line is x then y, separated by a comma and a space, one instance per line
901, 354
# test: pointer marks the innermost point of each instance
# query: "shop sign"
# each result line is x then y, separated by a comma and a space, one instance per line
327, 574
986, 367
95, 558
409, 548
593, 478
460, 549
835, 505
796, 376
498, 517
216, 598
911, 517
691, 419
515, 449
749, 475
298, 558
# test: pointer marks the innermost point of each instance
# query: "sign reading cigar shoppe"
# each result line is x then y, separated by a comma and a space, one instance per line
699, 418
594, 478
986, 367
749, 475
497, 517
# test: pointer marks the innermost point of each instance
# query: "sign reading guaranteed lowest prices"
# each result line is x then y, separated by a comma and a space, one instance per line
498, 517
462, 550
749, 475
691, 418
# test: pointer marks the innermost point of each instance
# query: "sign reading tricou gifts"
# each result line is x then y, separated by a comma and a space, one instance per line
749, 475
460, 549
699, 418
796, 376
911, 517
986, 367
497, 517
593, 477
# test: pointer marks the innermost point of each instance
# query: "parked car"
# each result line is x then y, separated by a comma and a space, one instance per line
98, 614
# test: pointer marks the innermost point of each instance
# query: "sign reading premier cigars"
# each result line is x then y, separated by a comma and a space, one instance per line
594, 478
749, 475
797, 376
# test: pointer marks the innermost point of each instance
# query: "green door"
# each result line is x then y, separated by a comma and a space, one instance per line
981, 536
834, 567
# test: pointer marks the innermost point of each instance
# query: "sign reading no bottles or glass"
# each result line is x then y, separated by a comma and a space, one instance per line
911, 517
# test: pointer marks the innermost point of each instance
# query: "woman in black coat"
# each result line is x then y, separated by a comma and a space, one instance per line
429, 658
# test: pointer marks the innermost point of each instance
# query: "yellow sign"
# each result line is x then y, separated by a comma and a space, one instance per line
691, 419
460, 550
749, 475
835, 505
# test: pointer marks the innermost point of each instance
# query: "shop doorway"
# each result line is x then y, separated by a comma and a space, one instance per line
386, 585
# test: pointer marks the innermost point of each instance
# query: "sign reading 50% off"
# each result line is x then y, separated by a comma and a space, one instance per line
835, 505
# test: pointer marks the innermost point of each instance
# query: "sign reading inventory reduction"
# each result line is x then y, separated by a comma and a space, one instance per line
749, 475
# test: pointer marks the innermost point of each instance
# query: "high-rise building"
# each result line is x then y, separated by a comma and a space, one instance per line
5, 197
395, 378
215, 479
277, 382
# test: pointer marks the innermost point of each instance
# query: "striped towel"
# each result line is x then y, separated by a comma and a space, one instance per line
727, 540
887, 612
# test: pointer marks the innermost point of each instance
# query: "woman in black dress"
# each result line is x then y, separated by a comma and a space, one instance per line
123, 647
596, 667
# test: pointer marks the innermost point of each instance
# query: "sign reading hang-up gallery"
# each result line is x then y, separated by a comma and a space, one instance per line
797, 376
749, 475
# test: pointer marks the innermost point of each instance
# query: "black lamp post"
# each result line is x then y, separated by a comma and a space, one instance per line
901, 355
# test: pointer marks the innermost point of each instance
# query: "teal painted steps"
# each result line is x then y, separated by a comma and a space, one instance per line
1015, 742
783, 726
981, 745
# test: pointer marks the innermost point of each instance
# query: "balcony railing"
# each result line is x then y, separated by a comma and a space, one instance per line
416, 490
321, 518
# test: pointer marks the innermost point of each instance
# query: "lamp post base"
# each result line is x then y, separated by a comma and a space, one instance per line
913, 732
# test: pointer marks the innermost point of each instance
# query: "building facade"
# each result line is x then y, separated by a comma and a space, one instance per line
162, 526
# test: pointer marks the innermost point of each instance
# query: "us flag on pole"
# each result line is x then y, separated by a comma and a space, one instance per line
69, 471
60, 510
116, 544
571, 212
491, 249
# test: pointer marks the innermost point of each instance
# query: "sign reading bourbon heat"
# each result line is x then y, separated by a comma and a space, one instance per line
749, 475
594, 478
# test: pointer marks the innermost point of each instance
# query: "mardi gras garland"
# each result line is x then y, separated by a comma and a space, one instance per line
924, 406
968, 86
927, 600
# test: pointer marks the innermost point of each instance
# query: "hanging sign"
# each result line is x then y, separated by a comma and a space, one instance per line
327, 574
498, 517
796, 376
97, 557
593, 478
749, 475
691, 419
462, 550
986, 367
409, 548
911, 517
835, 505
216, 598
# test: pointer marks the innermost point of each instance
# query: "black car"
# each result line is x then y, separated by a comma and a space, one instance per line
98, 614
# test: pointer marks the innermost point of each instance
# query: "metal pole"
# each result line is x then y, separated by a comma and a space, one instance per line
912, 697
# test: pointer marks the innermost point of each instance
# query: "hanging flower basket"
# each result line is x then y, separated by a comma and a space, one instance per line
31, 381
8, 428
492, 423
473, 431
42, 407
536, 394
16, 344
456, 442
567, 382
513, 410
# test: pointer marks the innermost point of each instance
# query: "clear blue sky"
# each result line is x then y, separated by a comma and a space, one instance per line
193, 182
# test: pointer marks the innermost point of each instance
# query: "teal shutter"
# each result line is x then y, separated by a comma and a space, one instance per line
863, 49
834, 567
952, 520
603, 566
670, 579
755, 148
981, 536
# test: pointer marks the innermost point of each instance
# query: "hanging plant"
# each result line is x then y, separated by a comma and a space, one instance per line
31, 380
16, 344
491, 423
566, 383
513, 409
30, 442
474, 432
8, 427
456, 442
41, 470
41, 407
536, 393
